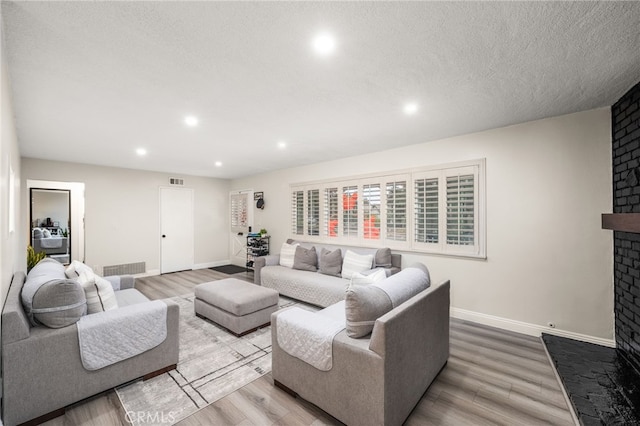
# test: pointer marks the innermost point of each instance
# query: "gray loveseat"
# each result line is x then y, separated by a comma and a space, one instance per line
377, 379
42, 368
313, 287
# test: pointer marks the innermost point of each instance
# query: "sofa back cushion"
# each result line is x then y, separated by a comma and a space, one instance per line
59, 303
365, 304
98, 291
354, 262
52, 308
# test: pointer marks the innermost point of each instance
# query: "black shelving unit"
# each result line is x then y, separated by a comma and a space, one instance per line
256, 246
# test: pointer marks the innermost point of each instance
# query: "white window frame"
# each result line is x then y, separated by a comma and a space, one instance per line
475, 167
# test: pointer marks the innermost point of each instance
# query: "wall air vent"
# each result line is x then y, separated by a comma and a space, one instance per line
125, 269
176, 181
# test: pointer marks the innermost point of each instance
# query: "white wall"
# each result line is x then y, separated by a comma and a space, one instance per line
12, 250
122, 212
548, 260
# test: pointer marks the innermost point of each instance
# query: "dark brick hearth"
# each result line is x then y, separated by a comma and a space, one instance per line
603, 387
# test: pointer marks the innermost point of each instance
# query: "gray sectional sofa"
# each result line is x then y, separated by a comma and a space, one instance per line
314, 287
379, 378
42, 369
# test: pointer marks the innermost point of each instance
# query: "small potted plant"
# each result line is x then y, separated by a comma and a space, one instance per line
33, 258
263, 232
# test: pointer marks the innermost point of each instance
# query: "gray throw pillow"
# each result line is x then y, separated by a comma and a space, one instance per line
330, 262
305, 259
59, 303
382, 258
364, 304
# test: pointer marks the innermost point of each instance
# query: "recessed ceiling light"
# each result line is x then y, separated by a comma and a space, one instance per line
191, 121
218, 163
324, 44
282, 145
410, 108
141, 152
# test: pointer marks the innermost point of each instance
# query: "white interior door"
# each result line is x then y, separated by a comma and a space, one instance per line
176, 229
241, 211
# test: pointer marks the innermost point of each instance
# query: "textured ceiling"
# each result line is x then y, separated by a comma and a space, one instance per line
93, 81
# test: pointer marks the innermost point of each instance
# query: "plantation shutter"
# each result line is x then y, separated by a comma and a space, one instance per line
331, 212
313, 212
297, 212
426, 211
350, 211
461, 209
371, 211
396, 203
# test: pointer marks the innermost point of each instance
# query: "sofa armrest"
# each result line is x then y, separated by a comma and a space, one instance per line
262, 261
121, 282
62, 377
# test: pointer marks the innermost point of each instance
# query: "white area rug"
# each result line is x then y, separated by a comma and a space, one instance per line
212, 364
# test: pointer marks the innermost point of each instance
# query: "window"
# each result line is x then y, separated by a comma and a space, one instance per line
437, 209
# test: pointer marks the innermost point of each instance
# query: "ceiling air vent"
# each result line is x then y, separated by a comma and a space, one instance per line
176, 181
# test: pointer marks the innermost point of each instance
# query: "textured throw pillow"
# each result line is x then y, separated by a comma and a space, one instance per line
364, 304
287, 254
59, 303
46, 233
99, 293
361, 279
37, 233
75, 268
382, 258
330, 262
354, 262
305, 259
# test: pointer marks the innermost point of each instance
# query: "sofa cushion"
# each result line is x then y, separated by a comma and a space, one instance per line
363, 306
330, 262
354, 262
59, 303
74, 269
98, 291
305, 259
359, 278
382, 258
287, 254
44, 271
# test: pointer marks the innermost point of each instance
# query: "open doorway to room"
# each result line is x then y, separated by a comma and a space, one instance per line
56, 219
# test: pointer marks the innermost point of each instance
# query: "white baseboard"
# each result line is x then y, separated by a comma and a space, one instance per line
211, 264
525, 327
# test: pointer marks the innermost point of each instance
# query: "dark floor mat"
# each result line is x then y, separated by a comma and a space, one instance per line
229, 269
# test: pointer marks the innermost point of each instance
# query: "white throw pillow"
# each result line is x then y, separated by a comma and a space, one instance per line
359, 279
98, 291
75, 268
287, 254
46, 234
354, 262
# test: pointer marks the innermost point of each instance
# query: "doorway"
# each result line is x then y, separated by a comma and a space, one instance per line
176, 230
58, 208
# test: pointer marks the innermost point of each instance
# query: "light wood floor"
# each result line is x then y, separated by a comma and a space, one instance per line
492, 377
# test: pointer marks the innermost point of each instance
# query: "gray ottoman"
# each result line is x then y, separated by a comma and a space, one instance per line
236, 305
